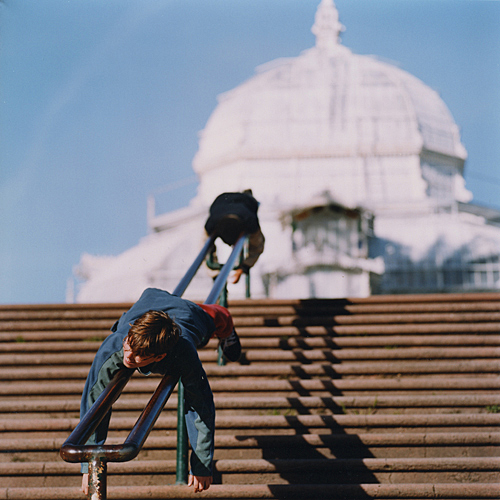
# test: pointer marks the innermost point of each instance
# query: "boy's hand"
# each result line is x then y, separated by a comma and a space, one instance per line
85, 484
237, 275
200, 483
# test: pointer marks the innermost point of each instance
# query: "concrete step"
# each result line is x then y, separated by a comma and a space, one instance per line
295, 445
159, 472
60, 313
10, 425
393, 303
289, 370
301, 403
282, 332
261, 385
356, 306
272, 491
136, 467
257, 355
369, 319
64, 323
275, 341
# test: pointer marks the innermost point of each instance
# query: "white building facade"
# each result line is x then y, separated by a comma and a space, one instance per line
358, 167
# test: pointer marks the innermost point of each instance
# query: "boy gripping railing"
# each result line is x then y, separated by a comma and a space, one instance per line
97, 456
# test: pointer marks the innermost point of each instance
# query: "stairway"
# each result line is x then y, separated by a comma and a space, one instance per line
388, 397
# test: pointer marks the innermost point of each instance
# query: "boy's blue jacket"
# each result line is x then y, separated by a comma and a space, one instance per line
195, 325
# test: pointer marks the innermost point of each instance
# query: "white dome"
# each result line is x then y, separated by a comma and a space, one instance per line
328, 102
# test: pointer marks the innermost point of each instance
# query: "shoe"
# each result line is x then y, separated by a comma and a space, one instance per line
231, 347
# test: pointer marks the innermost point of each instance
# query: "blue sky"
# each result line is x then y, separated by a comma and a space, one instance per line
102, 101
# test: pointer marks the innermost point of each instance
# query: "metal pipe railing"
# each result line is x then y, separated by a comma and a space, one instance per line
74, 449
188, 277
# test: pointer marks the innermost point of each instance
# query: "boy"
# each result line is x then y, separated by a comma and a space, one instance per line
160, 333
231, 214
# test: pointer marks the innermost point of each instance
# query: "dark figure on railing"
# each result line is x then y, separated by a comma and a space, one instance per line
160, 334
230, 215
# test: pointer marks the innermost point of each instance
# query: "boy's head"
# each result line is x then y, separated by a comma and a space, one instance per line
149, 339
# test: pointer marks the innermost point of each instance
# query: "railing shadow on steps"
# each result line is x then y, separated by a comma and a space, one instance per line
74, 449
349, 477
344, 447
338, 445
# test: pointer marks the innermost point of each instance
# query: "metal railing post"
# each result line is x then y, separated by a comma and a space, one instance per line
182, 439
221, 360
247, 277
98, 482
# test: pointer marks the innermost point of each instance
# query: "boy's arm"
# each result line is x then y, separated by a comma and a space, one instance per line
97, 380
256, 243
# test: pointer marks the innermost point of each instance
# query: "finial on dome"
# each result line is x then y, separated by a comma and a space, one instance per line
326, 26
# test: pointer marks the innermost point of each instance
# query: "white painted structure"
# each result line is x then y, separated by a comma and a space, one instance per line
332, 129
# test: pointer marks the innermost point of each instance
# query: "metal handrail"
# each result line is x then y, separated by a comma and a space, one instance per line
98, 456
190, 273
216, 266
74, 450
